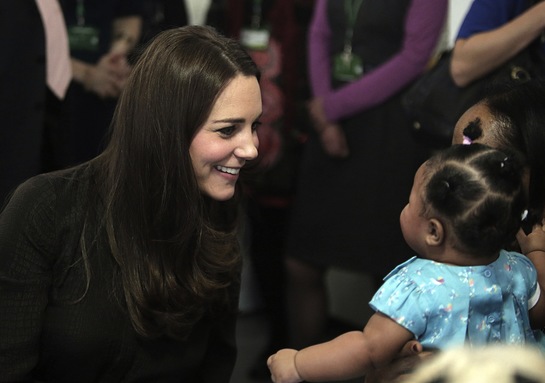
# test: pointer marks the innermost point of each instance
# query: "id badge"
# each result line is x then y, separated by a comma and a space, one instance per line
255, 39
347, 67
83, 38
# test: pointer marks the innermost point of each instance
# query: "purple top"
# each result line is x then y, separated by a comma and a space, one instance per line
424, 23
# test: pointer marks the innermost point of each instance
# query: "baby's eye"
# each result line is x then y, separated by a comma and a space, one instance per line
227, 131
256, 125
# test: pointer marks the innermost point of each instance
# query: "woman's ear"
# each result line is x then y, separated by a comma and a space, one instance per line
435, 235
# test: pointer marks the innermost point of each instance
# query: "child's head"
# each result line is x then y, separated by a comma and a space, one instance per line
469, 197
511, 117
498, 363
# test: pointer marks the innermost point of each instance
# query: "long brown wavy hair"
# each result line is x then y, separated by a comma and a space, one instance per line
177, 250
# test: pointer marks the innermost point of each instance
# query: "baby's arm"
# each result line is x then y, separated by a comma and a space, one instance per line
533, 246
350, 355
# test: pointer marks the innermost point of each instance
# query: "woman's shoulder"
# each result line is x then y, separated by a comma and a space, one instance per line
48, 199
49, 186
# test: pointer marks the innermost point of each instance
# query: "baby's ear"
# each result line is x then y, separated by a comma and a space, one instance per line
435, 235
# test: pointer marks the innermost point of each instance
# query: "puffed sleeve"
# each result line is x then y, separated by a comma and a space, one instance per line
402, 299
528, 274
25, 276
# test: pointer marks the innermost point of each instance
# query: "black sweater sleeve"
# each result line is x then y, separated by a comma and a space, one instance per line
26, 248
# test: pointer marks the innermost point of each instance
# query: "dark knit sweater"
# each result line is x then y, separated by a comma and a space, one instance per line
55, 328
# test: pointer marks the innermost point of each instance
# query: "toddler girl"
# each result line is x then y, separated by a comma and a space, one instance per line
465, 206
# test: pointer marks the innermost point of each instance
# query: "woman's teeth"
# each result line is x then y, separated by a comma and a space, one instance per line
223, 169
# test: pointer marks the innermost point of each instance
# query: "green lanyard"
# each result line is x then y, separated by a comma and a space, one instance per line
351, 8
256, 14
80, 13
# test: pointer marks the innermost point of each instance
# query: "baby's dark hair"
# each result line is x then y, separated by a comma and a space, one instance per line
476, 191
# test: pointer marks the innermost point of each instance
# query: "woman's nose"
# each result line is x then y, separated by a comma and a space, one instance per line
247, 147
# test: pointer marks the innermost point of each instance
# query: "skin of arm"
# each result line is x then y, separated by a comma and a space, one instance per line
107, 77
483, 52
350, 355
533, 246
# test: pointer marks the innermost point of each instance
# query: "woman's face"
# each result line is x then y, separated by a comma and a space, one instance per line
481, 112
228, 138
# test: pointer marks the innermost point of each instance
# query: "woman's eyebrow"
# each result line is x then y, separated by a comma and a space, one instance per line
235, 120
231, 120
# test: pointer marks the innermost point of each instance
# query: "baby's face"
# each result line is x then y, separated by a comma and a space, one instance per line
413, 223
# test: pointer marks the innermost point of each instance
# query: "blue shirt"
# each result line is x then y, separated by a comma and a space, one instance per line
446, 305
486, 15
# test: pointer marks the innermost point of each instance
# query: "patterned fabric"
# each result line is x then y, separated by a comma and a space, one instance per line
446, 305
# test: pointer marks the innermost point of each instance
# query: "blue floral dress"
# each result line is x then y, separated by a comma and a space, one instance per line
445, 305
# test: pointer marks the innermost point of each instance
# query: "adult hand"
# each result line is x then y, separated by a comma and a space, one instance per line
317, 114
283, 368
535, 241
409, 358
334, 141
107, 78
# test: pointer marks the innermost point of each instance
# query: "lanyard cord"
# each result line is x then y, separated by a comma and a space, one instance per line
256, 14
80, 13
351, 8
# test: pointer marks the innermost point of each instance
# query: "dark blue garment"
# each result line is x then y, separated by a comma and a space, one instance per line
485, 15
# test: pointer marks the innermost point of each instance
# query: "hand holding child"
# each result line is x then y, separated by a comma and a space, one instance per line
535, 241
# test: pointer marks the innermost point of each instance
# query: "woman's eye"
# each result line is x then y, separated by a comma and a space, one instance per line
227, 131
256, 125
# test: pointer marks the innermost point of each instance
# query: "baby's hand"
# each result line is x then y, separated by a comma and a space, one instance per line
535, 241
282, 367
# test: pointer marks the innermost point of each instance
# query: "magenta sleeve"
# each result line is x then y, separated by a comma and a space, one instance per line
424, 24
318, 55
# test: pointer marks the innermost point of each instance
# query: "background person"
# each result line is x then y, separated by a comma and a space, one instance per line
29, 97
102, 34
494, 31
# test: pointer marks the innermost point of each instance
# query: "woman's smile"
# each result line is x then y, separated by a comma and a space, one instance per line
228, 138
